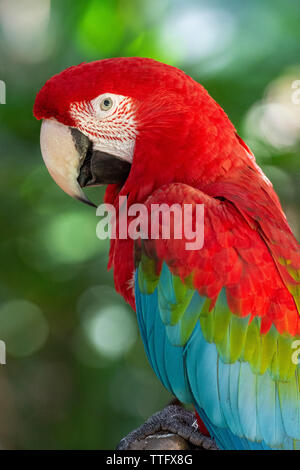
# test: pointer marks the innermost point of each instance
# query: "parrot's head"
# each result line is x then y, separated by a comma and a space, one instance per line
126, 119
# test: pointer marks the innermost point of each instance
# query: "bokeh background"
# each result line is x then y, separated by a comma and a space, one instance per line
76, 375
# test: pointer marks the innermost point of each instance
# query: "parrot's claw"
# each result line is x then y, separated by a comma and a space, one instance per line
180, 426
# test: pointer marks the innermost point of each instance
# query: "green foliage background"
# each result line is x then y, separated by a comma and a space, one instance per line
76, 373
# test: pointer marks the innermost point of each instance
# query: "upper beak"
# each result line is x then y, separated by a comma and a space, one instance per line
73, 164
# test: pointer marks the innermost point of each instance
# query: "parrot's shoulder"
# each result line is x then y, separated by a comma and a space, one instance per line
256, 263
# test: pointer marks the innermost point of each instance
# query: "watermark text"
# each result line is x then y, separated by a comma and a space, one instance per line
296, 93
154, 221
2, 92
296, 354
2, 352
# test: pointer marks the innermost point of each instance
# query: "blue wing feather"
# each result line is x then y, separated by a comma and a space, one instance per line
243, 410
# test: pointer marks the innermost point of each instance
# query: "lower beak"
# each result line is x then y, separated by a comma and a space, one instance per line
73, 164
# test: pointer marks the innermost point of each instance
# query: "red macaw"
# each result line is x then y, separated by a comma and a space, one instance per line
219, 323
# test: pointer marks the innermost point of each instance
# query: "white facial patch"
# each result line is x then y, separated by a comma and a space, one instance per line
109, 122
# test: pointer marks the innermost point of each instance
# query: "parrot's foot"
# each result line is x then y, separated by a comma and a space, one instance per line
172, 428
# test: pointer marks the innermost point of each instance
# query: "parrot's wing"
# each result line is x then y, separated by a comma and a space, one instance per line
219, 325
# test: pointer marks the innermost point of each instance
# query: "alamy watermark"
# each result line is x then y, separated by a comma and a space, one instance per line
2, 101
296, 92
2, 352
296, 353
154, 221
2, 92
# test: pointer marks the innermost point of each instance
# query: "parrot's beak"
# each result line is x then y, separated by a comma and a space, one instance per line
73, 164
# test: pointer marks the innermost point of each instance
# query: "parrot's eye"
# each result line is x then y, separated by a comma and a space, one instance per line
106, 103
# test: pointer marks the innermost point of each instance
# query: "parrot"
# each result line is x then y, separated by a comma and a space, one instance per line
220, 324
